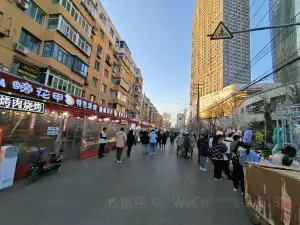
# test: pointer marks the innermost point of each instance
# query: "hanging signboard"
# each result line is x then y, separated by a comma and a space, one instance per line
16, 85
8, 102
28, 71
8, 161
124, 122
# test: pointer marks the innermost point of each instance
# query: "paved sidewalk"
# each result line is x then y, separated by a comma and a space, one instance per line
164, 189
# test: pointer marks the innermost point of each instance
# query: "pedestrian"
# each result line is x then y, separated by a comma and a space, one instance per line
193, 142
202, 145
103, 141
120, 143
130, 142
153, 140
186, 144
236, 141
145, 141
227, 141
237, 168
218, 150
285, 157
164, 140
158, 141
172, 138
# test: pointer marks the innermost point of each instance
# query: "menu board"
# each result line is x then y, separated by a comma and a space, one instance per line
8, 161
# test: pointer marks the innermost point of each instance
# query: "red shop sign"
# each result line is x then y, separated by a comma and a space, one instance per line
26, 88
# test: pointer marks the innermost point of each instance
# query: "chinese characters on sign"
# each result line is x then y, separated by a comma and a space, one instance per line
13, 103
53, 131
28, 88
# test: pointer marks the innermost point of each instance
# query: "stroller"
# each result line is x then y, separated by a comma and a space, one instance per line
180, 146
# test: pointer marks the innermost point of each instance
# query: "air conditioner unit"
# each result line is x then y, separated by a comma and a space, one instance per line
114, 70
21, 48
99, 55
22, 4
4, 69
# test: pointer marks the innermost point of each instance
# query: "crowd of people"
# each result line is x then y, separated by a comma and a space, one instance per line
228, 151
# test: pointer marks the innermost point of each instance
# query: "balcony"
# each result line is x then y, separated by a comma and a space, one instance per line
5, 24
90, 7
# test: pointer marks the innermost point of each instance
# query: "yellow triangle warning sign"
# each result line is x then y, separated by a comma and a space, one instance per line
221, 32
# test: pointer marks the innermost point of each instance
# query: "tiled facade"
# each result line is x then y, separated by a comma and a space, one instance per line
70, 45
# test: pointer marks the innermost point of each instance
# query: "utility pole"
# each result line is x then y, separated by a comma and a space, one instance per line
184, 117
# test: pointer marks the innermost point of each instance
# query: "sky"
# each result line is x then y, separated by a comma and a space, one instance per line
159, 35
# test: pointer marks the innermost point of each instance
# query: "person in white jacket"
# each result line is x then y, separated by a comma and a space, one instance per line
120, 143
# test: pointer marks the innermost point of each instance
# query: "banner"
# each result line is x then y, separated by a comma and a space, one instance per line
8, 161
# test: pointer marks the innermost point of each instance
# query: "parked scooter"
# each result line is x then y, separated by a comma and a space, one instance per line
41, 166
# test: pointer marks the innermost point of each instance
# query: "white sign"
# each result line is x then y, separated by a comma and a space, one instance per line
132, 126
8, 161
14, 103
53, 131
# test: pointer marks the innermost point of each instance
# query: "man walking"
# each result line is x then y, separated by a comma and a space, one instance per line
120, 143
103, 142
153, 139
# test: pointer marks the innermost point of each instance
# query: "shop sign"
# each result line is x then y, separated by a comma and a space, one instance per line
28, 71
9, 83
8, 102
124, 122
145, 123
52, 131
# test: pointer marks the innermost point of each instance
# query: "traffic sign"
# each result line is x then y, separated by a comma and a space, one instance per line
221, 32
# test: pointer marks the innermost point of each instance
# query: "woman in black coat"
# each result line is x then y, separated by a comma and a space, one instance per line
164, 138
130, 142
145, 139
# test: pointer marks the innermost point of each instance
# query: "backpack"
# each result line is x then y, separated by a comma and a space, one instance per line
222, 148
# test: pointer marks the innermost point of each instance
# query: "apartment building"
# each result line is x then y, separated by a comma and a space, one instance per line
71, 46
149, 113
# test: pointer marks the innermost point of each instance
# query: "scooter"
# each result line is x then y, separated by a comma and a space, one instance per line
40, 167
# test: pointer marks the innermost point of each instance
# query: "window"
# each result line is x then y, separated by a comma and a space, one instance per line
51, 49
53, 22
83, 94
92, 98
106, 73
74, 12
112, 79
104, 88
102, 34
111, 32
99, 49
102, 102
97, 65
79, 67
29, 41
110, 45
111, 105
58, 82
95, 82
36, 13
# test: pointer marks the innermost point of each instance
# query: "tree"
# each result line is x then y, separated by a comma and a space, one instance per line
166, 119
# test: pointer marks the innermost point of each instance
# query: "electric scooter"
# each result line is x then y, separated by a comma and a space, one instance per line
41, 167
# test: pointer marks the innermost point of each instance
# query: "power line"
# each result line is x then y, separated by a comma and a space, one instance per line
258, 80
267, 13
258, 9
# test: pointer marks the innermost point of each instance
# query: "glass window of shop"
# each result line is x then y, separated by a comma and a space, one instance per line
31, 72
74, 12
60, 83
29, 41
29, 132
36, 13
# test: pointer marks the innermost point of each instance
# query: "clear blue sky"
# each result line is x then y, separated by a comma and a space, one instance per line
158, 33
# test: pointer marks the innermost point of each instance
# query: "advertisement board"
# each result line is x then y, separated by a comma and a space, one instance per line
52, 131
8, 161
